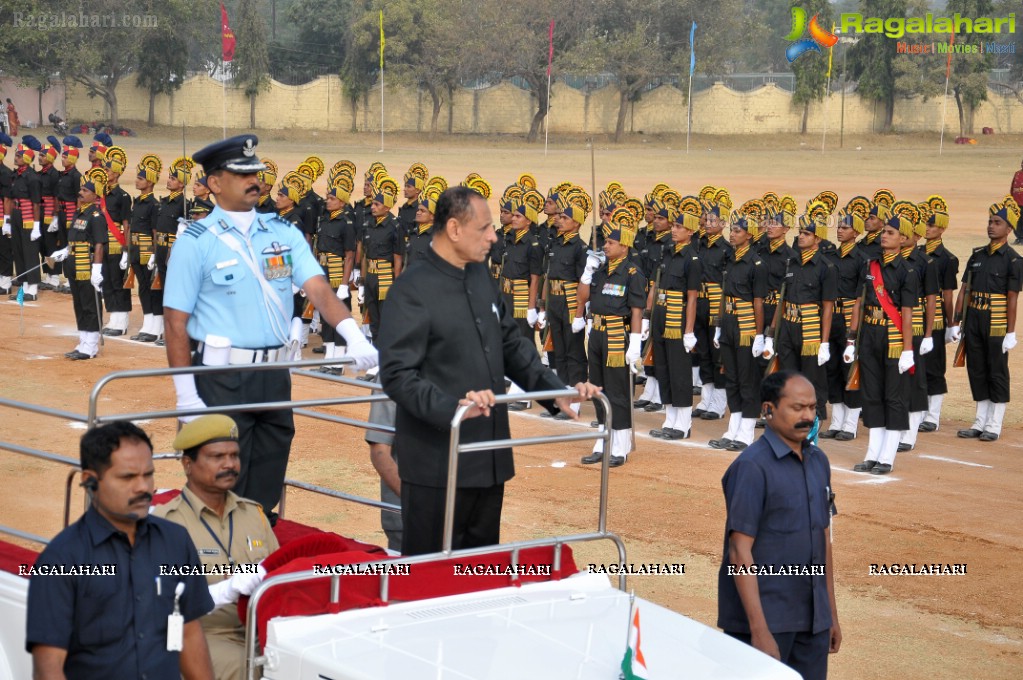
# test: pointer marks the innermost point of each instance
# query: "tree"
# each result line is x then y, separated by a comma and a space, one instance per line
872, 57
251, 63
361, 64
163, 62
811, 70
969, 76
316, 47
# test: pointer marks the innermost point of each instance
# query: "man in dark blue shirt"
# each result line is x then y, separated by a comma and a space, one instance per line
776, 585
102, 593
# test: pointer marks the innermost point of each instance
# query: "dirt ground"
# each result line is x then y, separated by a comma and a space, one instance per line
949, 501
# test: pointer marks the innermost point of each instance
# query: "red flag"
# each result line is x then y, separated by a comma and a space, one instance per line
948, 66
550, 50
226, 36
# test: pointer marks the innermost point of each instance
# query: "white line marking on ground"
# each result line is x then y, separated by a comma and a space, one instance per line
953, 460
868, 478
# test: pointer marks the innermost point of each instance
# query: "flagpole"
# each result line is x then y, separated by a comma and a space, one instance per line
223, 97
827, 94
547, 116
382, 41
689, 96
944, 101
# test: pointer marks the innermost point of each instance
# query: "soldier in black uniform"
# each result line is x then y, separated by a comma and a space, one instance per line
267, 178
421, 233
523, 263
714, 253
115, 262
617, 299
804, 327
415, 182
923, 318
739, 335
673, 321
947, 266
201, 204
885, 347
382, 249
51, 241
995, 275
877, 215
6, 247
336, 244
495, 258
165, 232
310, 205
663, 210
141, 239
69, 182
565, 303
83, 263
850, 264
26, 212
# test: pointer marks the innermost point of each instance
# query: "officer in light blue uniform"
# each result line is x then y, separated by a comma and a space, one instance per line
228, 301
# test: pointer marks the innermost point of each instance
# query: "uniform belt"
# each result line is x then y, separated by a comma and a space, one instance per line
600, 321
378, 266
508, 285
731, 304
874, 315
772, 298
163, 239
662, 298
240, 356
794, 311
557, 286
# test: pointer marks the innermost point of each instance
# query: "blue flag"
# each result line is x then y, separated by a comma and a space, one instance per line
692, 49
21, 296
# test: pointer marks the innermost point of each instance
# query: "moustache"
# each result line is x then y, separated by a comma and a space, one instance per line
804, 425
252, 190
144, 497
226, 473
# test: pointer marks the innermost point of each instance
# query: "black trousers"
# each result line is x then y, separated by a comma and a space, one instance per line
918, 381
986, 364
569, 348
264, 437
26, 251
84, 300
672, 363
885, 391
6, 255
115, 297
937, 364
708, 356
789, 345
143, 279
52, 241
805, 653
836, 369
616, 381
477, 518
743, 373
528, 332
329, 333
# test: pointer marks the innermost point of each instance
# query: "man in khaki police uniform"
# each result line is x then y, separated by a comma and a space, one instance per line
231, 533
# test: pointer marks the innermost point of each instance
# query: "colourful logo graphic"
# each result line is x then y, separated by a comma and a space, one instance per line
819, 37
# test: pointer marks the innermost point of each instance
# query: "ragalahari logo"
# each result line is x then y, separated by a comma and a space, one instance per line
819, 37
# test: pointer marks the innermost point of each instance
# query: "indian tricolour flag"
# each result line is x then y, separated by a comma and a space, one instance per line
633, 664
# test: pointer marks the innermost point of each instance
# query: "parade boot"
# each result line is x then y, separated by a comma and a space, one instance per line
328, 353
646, 398
655, 396
743, 435
683, 423
907, 441
518, 405
78, 347
305, 333
993, 427
933, 414
889, 447
874, 446
719, 402
852, 421
977, 429
158, 329
5, 285
598, 451
31, 292
669, 418
621, 445
837, 420
89, 347
146, 330
733, 431
117, 324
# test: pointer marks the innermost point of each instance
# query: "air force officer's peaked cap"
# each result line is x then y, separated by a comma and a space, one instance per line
235, 154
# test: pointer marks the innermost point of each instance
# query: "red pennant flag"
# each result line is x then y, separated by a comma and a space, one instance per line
226, 35
550, 50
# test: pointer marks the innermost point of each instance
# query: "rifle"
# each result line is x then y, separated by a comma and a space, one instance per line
773, 364
546, 338
960, 356
853, 383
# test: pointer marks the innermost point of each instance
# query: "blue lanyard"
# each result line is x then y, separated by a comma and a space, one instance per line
230, 530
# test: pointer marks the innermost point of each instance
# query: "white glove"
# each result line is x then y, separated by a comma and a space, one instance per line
632, 354
229, 590
151, 265
188, 396
594, 258
689, 341
823, 354
356, 277
1008, 342
97, 276
589, 326
926, 345
343, 293
849, 355
905, 361
7, 225
578, 324
758, 345
365, 354
59, 255
34, 236
541, 319
531, 316
362, 295
586, 278
768, 348
293, 348
645, 332
952, 334
124, 261
52, 226
717, 338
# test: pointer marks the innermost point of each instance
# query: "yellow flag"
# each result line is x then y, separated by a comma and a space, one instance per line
382, 41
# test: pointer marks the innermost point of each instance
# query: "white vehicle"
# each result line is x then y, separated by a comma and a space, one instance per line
507, 619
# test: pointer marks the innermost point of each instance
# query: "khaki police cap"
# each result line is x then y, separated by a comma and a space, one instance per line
205, 429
